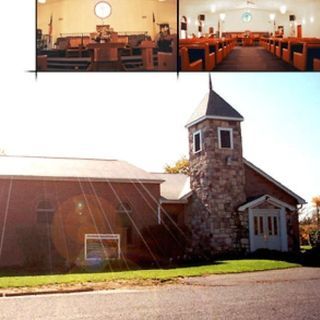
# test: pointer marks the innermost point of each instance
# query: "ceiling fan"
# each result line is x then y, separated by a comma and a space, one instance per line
247, 4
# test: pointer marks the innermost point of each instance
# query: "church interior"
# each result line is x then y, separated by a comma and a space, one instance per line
249, 35
112, 35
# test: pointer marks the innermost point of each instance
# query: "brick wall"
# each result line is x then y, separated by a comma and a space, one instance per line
20, 228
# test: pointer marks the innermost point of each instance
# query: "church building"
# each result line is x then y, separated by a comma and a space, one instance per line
64, 212
256, 35
112, 35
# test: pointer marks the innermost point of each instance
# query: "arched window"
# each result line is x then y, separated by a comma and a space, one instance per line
124, 212
184, 27
45, 212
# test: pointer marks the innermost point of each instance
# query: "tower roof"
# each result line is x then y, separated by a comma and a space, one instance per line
213, 107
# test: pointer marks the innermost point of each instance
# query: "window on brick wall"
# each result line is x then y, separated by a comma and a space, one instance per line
225, 136
197, 142
45, 212
124, 212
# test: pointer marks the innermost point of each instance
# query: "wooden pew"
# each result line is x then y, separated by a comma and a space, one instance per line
77, 45
42, 63
276, 46
282, 44
310, 50
316, 64
287, 52
220, 47
201, 51
186, 64
271, 47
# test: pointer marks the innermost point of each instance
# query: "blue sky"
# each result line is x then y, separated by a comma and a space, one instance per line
281, 131
140, 118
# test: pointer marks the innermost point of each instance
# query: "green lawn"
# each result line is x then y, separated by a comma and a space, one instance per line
228, 266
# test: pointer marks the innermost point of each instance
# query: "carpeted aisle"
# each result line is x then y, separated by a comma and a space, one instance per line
253, 59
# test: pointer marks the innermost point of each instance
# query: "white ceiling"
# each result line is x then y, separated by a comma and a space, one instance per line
226, 5
51, 1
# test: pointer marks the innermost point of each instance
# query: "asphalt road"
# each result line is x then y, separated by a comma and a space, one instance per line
282, 294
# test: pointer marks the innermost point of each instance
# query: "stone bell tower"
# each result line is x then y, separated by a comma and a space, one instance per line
217, 175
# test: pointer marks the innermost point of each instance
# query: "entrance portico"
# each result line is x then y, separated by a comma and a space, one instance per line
267, 223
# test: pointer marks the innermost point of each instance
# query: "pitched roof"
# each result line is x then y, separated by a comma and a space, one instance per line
274, 181
176, 187
268, 198
72, 168
214, 107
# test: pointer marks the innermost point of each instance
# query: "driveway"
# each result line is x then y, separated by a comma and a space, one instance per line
281, 294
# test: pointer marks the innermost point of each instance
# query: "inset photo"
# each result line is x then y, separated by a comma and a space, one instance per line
112, 35
256, 35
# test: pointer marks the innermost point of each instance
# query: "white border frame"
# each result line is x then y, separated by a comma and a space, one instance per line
100, 236
193, 141
231, 137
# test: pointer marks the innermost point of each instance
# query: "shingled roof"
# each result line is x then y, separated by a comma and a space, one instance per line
175, 188
26, 167
213, 107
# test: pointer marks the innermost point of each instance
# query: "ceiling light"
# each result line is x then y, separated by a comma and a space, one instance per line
42, 1
312, 19
283, 9
272, 16
222, 16
213, 8
303, 21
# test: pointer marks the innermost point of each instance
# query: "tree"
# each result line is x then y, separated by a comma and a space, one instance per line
181, 166
316, 204
310, 223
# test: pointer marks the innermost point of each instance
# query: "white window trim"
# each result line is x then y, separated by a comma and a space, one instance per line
100, 237
231, 137
193, 142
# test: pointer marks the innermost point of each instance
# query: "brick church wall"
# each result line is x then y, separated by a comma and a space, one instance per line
18, 214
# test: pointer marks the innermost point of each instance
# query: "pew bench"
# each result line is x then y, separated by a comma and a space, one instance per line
186, 64
316, 64
201, 51
304, 60
42, 63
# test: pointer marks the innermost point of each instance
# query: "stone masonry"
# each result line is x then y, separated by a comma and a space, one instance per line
218, 184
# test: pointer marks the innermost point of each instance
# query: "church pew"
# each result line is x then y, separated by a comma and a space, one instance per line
282, 44
292, 45
287, 53
186, 64
304, 60
201, 51
42, 63
276, 46
316, 64
272, 45
220, 52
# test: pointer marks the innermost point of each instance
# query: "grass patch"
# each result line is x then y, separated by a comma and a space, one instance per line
220, 267
304, 248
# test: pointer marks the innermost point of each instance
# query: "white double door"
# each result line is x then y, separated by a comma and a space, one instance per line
265, 229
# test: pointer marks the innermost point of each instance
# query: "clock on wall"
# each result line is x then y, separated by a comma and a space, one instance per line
102, 9
246, 17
